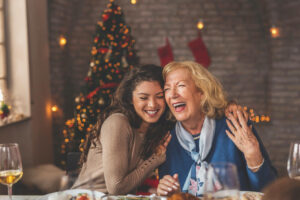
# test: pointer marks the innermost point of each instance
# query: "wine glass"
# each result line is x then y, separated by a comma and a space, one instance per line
293, 164
222, 182
11, 170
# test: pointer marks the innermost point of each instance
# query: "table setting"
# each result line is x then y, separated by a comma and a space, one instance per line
221, 181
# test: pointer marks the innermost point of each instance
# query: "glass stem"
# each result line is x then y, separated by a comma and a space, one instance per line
9, 187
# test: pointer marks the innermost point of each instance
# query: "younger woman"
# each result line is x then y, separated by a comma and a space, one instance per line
131, 138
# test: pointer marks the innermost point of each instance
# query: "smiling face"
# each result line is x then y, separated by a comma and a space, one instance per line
182, 96
148, 101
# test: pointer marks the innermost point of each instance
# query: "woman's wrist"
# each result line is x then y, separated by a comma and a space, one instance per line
255, 161
254, 166
257, 167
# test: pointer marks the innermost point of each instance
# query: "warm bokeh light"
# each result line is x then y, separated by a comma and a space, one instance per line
274, 31
133, 1
62, 41
200, 24
54, 108
1, 96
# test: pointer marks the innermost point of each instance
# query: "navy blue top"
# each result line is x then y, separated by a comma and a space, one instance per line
223, 150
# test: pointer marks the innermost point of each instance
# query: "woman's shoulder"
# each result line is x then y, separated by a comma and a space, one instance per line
116, 117
116, 121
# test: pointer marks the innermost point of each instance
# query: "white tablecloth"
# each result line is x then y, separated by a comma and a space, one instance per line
20, 197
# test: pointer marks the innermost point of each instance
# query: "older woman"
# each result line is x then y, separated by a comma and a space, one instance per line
203, 135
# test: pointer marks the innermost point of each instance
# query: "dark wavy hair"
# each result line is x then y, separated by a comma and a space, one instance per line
122, 103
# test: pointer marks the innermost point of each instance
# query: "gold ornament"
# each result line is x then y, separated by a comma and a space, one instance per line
77, 99
100, 23
124, 62
107, 55
109, 77
94, 51
89, 73
101, 101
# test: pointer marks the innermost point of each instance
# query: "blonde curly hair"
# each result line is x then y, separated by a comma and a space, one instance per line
214, 100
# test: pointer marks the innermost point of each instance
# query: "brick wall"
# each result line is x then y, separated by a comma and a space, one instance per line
284, 82
251, 66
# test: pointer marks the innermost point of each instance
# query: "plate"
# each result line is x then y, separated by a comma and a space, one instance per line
67, 194
131, 197
250, 195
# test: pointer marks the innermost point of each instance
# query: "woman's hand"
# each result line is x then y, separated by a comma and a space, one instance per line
242, 136
168, 185
232, 107
162, 148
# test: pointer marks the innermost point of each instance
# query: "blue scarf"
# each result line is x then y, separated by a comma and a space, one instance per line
195, 179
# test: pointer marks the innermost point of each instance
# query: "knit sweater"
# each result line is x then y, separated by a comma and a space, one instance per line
114, 165
223, 150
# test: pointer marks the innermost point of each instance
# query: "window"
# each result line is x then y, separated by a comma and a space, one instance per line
3, 76
14, 61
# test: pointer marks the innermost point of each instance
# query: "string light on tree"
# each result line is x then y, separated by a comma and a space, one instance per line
257, 118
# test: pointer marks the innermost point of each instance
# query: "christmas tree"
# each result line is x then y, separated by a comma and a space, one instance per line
112, 55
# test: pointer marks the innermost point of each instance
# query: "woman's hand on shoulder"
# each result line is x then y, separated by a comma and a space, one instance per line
162, 148
232, 107
168, 185
242, 136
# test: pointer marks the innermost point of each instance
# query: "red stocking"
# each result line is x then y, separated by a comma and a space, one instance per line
199, 50
165, 53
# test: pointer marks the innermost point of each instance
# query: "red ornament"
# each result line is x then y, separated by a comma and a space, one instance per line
117, 71
105, 17
105, 86
103, 50
87, 79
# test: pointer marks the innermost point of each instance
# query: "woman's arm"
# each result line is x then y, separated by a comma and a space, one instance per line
259, 168
116, 135
266, 172
243, 137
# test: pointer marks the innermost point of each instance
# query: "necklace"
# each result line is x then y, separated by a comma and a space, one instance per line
196, 137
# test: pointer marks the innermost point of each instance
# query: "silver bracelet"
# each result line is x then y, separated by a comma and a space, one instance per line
258, 166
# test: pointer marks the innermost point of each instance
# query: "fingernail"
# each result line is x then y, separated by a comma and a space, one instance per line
170, 189
177, 184
174, 187
165, 193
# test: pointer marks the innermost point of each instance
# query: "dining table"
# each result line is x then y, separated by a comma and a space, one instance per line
20, 197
